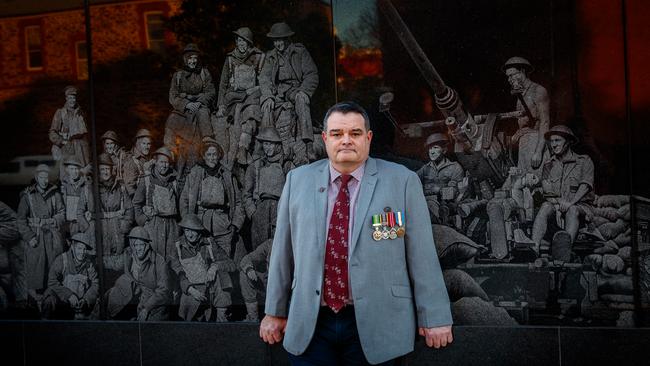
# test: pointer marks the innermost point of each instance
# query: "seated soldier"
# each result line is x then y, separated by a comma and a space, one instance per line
73, 284
568, 186
143, 291
254, 275
440, 178
203, 271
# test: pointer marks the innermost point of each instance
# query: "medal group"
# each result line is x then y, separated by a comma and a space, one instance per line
388, 225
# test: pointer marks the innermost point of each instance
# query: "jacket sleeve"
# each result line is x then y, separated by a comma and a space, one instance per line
184, 199
430, 293
175, 99
309, 73
249, 188
22, 216
281, 263
160, 296
86, 204
208, 94
139, 201
266, 80
93, 291
8, 225
54, 135
59, 209
238, 216
223, 83
126, 221
55, 279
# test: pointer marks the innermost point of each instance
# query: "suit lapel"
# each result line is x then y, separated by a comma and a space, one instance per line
321, 182
364, 197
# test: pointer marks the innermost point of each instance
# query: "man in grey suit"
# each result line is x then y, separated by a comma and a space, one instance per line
335, 303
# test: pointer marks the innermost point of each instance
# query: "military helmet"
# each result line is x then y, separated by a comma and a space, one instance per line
72, 160
84, 239
269, 134
192, 222
191, 48
280, 30
104, 159
139, 232
164, 151
70, 90
563, 131
437, 139
110, 135
143, 132
517, 62
42, 168
245, 33
209, 141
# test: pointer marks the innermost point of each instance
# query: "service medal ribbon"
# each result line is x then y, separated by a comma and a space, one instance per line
400, 231
392, 234
376, 223
384, 223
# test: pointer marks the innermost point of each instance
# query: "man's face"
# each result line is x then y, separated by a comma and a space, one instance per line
144, 145
346, 140
105, 172
270, 148
70, 100
436, 153
79, 250
191, 235
516, 78
109, 146
42, 179
280, 44
241, 44
192, 61
558, 144
211, 157
162, 164
73, 171
139, 247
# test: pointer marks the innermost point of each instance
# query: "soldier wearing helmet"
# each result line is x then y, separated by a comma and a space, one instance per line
440, 177
142, 292
288, 81
530, 135
137, 162
239, 99
203, 272
568, 186
74, 189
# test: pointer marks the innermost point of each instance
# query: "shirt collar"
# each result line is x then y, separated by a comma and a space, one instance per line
356, 174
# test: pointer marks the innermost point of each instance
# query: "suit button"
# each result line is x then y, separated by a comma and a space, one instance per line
317, 292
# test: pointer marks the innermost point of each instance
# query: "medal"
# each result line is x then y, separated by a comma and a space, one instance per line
400, 231
376, 223
384, 229
392, 234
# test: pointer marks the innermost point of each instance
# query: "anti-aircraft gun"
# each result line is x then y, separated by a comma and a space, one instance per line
478, 147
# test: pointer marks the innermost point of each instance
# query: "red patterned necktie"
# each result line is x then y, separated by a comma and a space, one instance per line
336, 249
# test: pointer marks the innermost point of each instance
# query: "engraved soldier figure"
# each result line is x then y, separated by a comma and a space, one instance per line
116, 215
137, 163
212, 195
74, 188
156, 203
73, 285
440, 178
253, 276
191, 94
239, 98
288, 81
68, 133
11, 242
111, 147
202, 268
568, 185
41, 216
263, 185
533, 99
143, 291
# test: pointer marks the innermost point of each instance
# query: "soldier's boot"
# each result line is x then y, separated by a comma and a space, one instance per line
221, 315
251, 312
561, 246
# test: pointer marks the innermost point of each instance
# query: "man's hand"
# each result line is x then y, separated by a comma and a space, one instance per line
212, 273
73, 300
148, 211
437, 337
268, 105
564, 205
143, 315
193, 106
33, 242
251, 274
272, 329
221, 111
536, 160
196, 294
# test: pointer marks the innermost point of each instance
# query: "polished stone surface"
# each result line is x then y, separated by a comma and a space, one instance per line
605, 346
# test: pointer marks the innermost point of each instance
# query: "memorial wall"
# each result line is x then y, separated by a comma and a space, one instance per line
147, 142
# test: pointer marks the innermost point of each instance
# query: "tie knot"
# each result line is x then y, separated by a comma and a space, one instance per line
345, 178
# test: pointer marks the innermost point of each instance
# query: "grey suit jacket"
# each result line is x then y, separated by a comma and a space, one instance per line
395, 284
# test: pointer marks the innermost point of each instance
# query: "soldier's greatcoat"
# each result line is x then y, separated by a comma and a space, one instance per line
68, 134
41, 215
134, 166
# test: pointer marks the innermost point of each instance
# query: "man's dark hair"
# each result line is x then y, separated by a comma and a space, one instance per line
345, 108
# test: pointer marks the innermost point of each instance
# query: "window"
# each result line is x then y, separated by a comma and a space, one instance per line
33, 47
81, 54
154, 22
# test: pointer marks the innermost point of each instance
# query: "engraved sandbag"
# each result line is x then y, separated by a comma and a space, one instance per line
243, 77
212, 191
271, 180
164, 201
